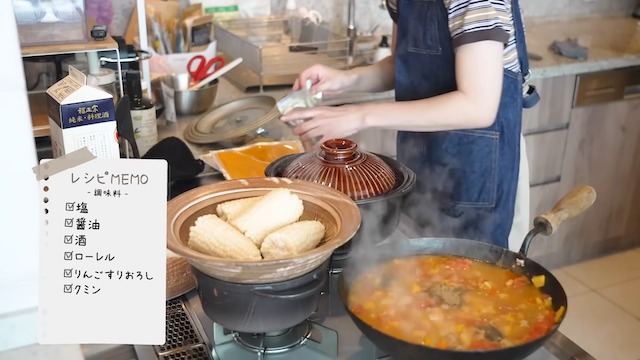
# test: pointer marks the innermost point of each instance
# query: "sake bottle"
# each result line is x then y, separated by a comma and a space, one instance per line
143, 114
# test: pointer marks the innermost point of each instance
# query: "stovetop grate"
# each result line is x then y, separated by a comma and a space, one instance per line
183, 341
196, 352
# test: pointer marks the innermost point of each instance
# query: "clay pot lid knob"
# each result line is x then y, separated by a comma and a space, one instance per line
339, 150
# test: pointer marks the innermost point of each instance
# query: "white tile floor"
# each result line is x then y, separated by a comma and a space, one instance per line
604, 305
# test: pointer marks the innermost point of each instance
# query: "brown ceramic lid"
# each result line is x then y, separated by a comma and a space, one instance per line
358, 174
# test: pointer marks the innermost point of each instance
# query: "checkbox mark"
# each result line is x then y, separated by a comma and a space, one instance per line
68, 255
67, 273
68, 222
69, 206
67, 288
68, 239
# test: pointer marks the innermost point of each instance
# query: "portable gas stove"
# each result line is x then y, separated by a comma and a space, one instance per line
328, 334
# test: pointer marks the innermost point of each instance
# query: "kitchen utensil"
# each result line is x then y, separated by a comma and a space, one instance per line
381, 213
235, 123
225, 69
340, 165
180, 81
574, 203
195, 101
200, 68
336, 211
124, 125
259, 308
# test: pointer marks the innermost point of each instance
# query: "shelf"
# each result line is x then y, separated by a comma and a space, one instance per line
39, 114
91, 45
38, 99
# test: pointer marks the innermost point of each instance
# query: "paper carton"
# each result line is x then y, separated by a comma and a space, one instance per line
81, 115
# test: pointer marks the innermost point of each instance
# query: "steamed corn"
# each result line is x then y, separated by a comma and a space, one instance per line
231, 209
276, 209
213, 236
292, 239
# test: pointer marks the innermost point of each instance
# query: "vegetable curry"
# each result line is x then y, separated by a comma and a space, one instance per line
452, 303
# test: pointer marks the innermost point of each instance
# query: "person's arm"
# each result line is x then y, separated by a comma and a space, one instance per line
479, 72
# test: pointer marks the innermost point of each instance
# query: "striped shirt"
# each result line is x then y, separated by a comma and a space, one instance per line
477, 20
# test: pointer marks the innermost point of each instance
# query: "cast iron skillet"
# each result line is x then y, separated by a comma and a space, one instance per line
571, 205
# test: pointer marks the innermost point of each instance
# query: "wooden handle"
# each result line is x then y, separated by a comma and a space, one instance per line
574, 203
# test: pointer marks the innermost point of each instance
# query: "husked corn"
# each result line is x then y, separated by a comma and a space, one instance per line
292, 239
274, 210
211, 235
231, 209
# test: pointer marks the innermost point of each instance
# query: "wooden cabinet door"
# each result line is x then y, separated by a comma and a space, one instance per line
554, 108
603, 150
545, 152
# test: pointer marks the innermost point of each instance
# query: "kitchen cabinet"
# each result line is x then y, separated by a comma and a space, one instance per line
603, 147
545, 152
554, 108
545, 130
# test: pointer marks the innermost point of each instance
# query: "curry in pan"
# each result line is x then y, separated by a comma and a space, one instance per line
454, 303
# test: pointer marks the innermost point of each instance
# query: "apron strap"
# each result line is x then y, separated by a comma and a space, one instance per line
530, 96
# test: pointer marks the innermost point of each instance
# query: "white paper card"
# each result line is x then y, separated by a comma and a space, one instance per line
103, 253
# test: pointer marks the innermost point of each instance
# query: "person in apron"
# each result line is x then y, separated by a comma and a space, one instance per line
467, 175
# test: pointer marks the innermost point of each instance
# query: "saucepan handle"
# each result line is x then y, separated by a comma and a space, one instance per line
574, 203
571, 205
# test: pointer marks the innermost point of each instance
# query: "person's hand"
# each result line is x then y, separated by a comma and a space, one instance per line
323, 78
327, 122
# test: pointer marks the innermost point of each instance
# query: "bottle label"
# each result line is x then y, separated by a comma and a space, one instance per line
145, 128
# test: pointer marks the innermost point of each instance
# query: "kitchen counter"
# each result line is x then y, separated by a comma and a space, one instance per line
613, 42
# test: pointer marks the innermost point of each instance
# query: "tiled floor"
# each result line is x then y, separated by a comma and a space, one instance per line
604, 305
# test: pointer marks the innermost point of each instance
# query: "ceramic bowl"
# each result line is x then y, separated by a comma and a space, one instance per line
335, 210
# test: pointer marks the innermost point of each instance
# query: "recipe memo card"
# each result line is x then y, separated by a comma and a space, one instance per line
103, 252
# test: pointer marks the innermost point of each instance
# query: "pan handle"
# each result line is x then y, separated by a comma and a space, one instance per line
574, 203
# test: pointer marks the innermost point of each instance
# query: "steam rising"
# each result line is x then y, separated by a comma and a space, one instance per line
429, 214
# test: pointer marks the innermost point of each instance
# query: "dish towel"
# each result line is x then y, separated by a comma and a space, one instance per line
570, 48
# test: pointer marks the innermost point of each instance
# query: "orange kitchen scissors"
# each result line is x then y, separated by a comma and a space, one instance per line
199, 67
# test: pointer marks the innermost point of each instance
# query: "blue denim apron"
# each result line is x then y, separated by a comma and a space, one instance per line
467, 179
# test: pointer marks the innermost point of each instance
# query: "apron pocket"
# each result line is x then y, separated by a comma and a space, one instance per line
472, 160
423, 39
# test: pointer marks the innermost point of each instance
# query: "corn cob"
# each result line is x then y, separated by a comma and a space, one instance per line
231, 209
213, 236
276, 209
292, 239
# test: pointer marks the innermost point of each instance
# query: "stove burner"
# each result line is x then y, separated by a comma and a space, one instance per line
308, 341
277, 341
339, 258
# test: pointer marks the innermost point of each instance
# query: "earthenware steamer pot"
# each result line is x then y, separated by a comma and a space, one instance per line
378, 184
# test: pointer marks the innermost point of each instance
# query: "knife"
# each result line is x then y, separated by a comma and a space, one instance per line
125, 125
